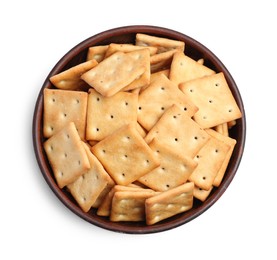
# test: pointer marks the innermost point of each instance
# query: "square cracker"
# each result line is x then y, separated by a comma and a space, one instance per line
89, 186
97, 52
163, 44
169, 203
62, 107
184, 68
125, 155
229, 141
174, 170
115, 47
105, 207
187, 140
161, 61
114, 73
213, 97
201, 194
210, 159
71, 79
107, 114
129, 205
144, 79
67, 155
159, 96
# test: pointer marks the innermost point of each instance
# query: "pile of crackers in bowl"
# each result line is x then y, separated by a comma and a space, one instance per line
139, 131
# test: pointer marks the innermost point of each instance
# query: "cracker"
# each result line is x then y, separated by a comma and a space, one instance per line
125, 155
229, 141
107, 114
184, 68
187, 140
213, 97
129, 205
201, 194
155, 75
66, 154
210, 159
144, 79
169, 203
70, 79
62, 107
115, 47
97, 52
104, 193
161, 61
89, 186
174, 170
163, 44
105, 207
114, 73
158, 97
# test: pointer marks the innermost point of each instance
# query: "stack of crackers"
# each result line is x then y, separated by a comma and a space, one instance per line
138, 131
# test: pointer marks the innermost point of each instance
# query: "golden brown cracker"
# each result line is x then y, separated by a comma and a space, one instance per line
62, 107
125, 155
169, 203
66, 154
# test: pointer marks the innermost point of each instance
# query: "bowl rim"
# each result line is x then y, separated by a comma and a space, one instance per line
38, 143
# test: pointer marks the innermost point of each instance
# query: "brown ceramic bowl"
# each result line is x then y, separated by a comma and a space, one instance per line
127, 34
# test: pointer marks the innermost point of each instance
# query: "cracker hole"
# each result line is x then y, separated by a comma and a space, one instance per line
191, 90
167, 185
98, 99
84, 198
163, 168
216, 150
126, 103
61, 173
51, 128
112, 116
185, 109
197, 156
54, 100
65, 115
139, 108
51, 147
123, 174
204, 178
217, 84
162, 108
210, 101
65, 155
97, 129
147, 161
68, 136
104, 151
79, 162
158, 151
77, 101
174, 116
162, 88
195, 137
83, 177
126, 156
176, 139
230, 110
204, 117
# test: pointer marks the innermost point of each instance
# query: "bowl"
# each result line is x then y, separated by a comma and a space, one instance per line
126, 34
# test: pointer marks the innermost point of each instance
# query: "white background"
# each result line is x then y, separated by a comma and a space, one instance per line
34, 224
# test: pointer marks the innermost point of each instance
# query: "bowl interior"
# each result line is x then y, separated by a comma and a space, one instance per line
127, 34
